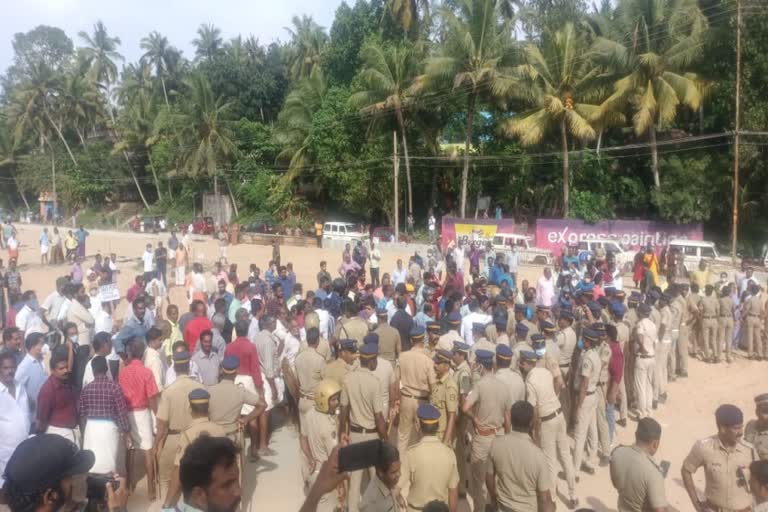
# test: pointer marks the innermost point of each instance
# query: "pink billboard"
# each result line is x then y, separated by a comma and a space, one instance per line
554, 233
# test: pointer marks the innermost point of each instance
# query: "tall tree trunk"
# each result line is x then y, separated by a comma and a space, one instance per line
566, 170
465, 173
53, 183
61, 136
165, 93
217, 220
154, 175
401, 122
231, 197
18, 188
654, 156
599, 142
136, 180
80, 136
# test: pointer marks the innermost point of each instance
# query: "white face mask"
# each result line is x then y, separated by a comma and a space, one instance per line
73, 338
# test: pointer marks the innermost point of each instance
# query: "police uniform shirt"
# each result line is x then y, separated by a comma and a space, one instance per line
389, 342
417, 373
339, 369
631, 318
520, 346
445, 342
513, 382
647, 336
490, 399
722, 487
693, 305
503, 339
622, 334
589, 368
521, 471
566, 342
354, 328
726, 307
710, 307
227, 399
310, 367
604, 352
430, 467
197, 427
540, 392
445, 396
655, 317
174, 403
754, 306
386, 375
666, 323
758, 438
681, 305
323, 348
378, 498
320, 431
637, 479
463, 377
362, 392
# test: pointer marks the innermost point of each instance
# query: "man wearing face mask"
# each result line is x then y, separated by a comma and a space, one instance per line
43, 476
28, 318
585, 405
726, 458
79, 314
635, 475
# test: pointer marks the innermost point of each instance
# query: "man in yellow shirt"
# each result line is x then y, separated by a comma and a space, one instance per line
702, 276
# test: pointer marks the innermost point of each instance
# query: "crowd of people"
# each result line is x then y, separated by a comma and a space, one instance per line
476, 385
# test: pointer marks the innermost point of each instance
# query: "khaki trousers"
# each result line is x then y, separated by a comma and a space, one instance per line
754, 336
356, 477
461, 450
556, 446
724, 335
480, 449
165, 463
624, 406
586, 430
645, 368
661, 377
682, 349
709, 336
603, 436
408, 420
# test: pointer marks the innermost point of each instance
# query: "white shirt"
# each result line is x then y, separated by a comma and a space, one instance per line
399, 276
88, 373
325, 322
170, 374
29, 321
432, 223
458, 257
102, 322
744, 284
52, 304
475, 317
14, 423
149, 261
545, 292
156, 284
375, 256
154, 362
290, 349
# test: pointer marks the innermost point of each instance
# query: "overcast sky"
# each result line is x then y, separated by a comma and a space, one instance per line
176, 19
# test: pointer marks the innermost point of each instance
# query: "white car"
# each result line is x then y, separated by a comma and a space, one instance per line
528, 253
624, 259
342, 231
694, 251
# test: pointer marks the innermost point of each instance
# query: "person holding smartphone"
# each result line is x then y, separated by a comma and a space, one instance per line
635, 475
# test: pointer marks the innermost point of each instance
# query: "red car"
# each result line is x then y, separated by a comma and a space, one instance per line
386, 233
200, 226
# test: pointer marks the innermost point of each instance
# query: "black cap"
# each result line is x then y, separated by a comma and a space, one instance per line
39, 462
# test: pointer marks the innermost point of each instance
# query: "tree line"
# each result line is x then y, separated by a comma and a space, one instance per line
550, 107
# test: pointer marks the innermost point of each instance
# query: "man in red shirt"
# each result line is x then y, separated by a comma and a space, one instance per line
249, 373
135, 290
56, 402
616, 371
141, 394
197, 325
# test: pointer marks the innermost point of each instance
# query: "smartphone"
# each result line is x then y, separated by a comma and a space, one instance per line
97, 487
360, 455
664, 467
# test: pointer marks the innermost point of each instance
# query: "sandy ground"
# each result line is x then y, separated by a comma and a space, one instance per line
274, 483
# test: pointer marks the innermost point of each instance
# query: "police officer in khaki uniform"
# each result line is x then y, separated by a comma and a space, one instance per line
433, 335
662, 348
517, 476
319, 435
521, 342
601, 393
618, 310
643, 352
635, 475
520, 312
550, 422
631, 318
756, 431
227, 400
462, 375
389, 338
198, 400
726, 458
346, 362
500, 320
445, 396
173, 417
585, 406
694, 320
685, 330
417, 378
709, 308
511, 379
310, 370
447, 340
487, 406
351, 326
362, 413
725, 325
380, 495
429, 471
753, 320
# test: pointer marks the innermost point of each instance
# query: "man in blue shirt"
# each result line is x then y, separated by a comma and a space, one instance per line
286, 281
81, 234
30, 374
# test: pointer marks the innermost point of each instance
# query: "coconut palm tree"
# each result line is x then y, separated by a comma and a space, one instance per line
205, 139
564, 89
295, 123
160, 55
307, 42
81, 104
10, 151
472, 61
386, 77
101, 51
208, 43
664, 37
406, 13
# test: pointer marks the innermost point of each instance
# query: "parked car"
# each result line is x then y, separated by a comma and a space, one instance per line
342, 231
624, 259
525, 247
696, 250
261, 226
387, 234
200, 226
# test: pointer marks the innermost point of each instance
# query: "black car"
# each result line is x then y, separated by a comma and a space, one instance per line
266, 227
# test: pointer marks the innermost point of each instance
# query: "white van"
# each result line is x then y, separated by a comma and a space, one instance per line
528, 253
624, 259
342, 231
694, 251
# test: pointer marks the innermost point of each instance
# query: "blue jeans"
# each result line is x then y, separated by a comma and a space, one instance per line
610, 414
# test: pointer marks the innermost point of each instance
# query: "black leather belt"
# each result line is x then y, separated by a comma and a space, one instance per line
408, 395
565, 365
551, 416
357, 429
590, 393
645, 357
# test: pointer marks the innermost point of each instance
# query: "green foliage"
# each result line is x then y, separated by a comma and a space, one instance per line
590, 206
687, 193
351, 27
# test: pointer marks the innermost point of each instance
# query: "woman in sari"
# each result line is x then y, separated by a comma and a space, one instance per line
653, 263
